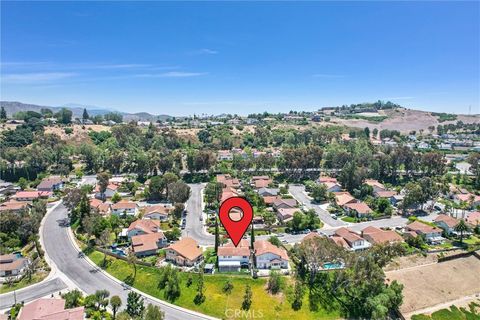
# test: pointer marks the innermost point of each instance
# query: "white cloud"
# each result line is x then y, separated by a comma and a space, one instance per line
36, 77
204, 51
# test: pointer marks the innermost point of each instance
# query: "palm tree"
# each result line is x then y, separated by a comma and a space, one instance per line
103, 242
461, 227
132, 259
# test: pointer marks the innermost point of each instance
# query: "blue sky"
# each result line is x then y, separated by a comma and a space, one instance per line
215, 57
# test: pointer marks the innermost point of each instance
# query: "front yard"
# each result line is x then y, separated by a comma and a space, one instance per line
217, 302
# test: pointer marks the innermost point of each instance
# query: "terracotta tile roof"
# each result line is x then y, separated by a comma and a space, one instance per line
48, 183
385, 194
420, 227
32, 194
342, 198
243, 249
263, 246
377, 235
374, 183
260, 178
289, 202
327, 179
270, 199
50, 309
228, 181
451, 222
157, 209
187, 247
13, 205
15, 264
124, 205
287, 213
473, 218
262, 183
330, 184
228, 193
360, 207
340, 241
467, 197
311, 235
146, 225
348, 235
146, 242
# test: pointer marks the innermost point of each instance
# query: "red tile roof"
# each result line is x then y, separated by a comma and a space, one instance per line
146, 225
449, 221
50, 309
146, 242
263, 246
187, 247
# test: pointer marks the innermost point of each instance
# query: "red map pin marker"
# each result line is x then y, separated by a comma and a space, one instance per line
236, 229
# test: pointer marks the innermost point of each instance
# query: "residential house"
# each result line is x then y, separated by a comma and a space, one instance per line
473, 218
378, 236
376, 185
102, 207
358, 209
228, 193
228, 181
269, 200
51, 184
145, 226
387, 194
468, 198
157, 212
268, 192
269, 256
184, 252
31, 195
231, 258
284, 203
224, 155
354, 241
109, 192
432, 235
14, 206
324, 179
261, 181
7, 188
50, 309
286, 214
124, 208
447, 223
147, 244
332, 186
342, 198
12, 265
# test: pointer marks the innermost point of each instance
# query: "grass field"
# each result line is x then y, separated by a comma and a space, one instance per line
217, 302
23, 283
454, 313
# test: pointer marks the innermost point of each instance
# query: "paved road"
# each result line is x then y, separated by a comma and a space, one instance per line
298, 192
194, 227
28, 294
83, 274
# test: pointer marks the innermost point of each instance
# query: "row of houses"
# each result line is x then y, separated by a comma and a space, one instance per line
264, 254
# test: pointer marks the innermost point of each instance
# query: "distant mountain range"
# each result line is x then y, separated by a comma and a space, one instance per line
13, 107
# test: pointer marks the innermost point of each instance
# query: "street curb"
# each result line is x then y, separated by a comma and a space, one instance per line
106, 274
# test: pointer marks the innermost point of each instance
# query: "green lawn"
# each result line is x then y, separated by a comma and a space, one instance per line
472, 240
23, 283
348, 219
453, 313
271, 307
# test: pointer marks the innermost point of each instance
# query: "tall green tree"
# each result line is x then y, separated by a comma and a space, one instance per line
3, 114
135, 306
461, 227
115, 304
85, 115
153, 313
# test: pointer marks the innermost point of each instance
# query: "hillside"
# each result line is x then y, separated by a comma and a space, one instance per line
13, 107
